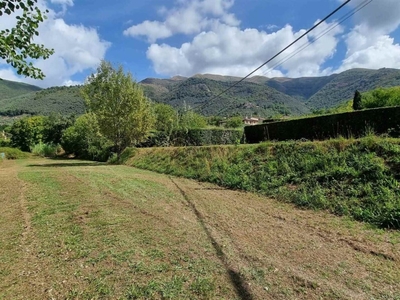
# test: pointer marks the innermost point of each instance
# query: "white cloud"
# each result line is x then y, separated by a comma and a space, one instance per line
369, 44
218, 45
383, 52
77, 48
71, 83
379, 16
8, 74
229, 50
63, 2
191, 17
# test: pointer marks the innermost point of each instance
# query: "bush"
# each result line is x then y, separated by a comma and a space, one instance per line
381, 97
54, 126
46, 150
190, 120
27, 132
204, 137
85, 141
234, 122
157, 139
4, 143
194, 137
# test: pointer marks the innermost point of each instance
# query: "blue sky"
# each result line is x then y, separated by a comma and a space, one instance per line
164, 38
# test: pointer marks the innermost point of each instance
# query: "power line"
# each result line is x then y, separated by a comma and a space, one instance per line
329, 29
309, 43
280, 52
326, 31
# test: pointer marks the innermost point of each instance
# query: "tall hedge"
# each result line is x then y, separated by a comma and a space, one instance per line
204, 137
355, 124
194, 137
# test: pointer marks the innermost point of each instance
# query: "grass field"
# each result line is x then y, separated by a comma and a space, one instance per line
83, 230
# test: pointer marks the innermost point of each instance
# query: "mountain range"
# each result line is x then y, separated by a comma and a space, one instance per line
258, 95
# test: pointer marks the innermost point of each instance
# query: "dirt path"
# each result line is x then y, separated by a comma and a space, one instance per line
250, 247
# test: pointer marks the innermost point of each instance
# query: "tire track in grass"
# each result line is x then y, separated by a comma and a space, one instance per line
241, 287
31, 275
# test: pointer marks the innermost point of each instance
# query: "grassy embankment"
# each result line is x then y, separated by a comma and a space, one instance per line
83, 230
357, 178
13, 153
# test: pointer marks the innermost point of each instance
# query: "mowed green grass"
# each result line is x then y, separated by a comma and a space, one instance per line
84, 230
101, 232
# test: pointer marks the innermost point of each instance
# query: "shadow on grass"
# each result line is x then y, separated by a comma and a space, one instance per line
237, 281
65, 162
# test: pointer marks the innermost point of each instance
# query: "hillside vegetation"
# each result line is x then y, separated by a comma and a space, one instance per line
343, 86
267, 96
358, 178
262, 96
63, 100
246, 98
10, 89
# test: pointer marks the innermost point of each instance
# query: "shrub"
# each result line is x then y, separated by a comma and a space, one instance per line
194, 137
357, 101
204, 137
27, 132
382, 97
85, 141
234, 122
4, 143
46, 150
54, 126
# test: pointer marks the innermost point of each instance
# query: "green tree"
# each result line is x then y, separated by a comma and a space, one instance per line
357, 101
27, 132
192, 120
214, 120
85, 140
54, 126
124, 114
166, 118
234, 122
382, 97
16, 44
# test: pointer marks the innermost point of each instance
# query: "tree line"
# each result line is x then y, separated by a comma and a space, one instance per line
118, 115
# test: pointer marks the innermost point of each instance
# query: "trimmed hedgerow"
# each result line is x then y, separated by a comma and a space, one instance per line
351, 124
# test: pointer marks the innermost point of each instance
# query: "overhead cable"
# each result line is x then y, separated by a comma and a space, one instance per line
283, 50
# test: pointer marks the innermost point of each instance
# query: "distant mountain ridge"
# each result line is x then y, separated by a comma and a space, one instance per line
267, 96
258, 95
9, 89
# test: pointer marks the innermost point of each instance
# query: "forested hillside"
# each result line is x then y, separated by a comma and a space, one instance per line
268, 96
262, 96
246, 98
9, 89
343, 85
63, 100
